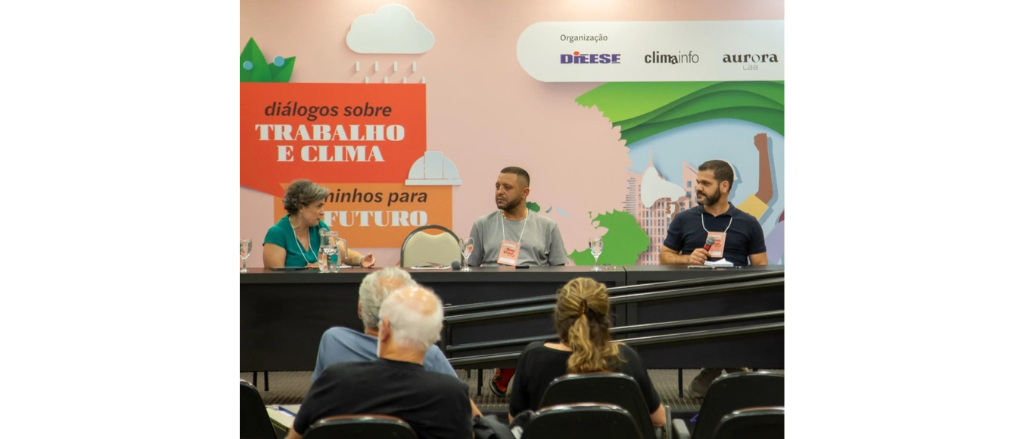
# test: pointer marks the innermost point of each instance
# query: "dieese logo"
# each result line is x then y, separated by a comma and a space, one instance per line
590, 58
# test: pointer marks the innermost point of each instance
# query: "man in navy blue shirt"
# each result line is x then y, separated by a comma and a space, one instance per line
738, 235
739, 239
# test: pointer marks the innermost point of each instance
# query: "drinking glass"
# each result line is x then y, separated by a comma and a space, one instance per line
595, 249
325, 260
335, 261
246, 249
467, 249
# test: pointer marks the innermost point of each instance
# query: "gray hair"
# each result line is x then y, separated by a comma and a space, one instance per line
415, 316
302, 193
376, 287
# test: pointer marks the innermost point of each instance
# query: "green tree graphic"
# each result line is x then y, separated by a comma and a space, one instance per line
255, 67
623, 243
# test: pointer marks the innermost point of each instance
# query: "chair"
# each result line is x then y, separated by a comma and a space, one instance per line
360, 427
585, 420
421, 247
255, 421
731, 392
752, 423
609, 388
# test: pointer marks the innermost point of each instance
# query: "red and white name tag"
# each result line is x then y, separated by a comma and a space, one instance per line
508, 254
718, 248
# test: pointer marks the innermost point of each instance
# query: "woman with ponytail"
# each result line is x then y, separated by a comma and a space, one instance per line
584, 345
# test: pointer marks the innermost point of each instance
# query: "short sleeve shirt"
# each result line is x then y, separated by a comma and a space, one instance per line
282, 235
689, 231
340, 344
436, 406
540, 244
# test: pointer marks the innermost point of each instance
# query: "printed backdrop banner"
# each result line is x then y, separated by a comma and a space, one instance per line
330, 133
611, 109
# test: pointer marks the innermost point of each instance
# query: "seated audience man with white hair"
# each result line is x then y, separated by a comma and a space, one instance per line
343, 344
339, 344
396, 384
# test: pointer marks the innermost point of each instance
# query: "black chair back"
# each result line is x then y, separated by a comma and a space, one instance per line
736, 391
255, 420
752, 423
583, 421
360, 427
609, 388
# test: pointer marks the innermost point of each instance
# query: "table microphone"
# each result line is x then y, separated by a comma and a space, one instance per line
710, 242
456, 265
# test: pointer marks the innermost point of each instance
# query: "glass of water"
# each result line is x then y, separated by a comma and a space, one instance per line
325, 259
467, 249
246, 245
335, 262
595, 249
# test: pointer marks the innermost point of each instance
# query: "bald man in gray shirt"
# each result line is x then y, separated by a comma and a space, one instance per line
513, 235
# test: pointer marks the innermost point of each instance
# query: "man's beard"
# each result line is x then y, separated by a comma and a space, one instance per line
710, 199
509, 206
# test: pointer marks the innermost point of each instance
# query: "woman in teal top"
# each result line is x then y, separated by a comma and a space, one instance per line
295, 240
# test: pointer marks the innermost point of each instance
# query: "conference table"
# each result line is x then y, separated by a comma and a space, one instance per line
284, 313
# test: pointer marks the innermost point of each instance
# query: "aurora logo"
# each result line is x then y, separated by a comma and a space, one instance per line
750, 58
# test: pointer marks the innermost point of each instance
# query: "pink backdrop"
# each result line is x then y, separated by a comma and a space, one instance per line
483, 111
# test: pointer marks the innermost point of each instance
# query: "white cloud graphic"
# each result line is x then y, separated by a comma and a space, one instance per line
392, 29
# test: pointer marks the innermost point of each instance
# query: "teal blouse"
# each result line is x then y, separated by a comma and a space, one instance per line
282, 235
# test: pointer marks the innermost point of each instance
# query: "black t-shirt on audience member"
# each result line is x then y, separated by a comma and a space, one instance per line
434, 405
539, 365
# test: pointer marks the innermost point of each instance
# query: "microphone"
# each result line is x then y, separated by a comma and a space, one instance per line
710, 242
456, 265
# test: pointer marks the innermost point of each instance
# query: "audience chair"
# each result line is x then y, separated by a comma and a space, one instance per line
421, 248
609, 388
731, 392
752, 423
360, 427
583, 421
255, 421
